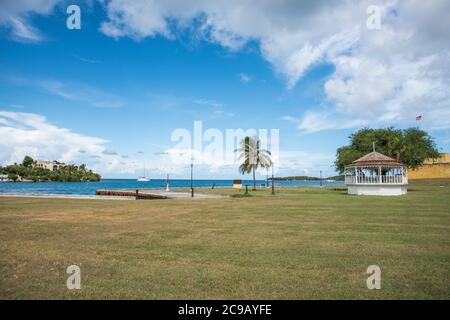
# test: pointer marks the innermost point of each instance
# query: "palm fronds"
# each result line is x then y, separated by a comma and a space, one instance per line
253, 157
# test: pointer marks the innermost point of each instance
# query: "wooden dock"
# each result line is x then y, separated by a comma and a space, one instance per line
151, 194
137, 194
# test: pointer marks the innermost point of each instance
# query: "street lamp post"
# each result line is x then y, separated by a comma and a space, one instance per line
273, 186
321, 178
192, 185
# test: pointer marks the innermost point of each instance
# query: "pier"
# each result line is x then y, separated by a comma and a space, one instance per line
149, 194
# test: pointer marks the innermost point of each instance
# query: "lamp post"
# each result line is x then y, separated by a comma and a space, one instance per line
192, 172
321, 178
273, 186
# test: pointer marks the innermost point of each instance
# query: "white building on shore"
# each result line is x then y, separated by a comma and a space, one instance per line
49, 165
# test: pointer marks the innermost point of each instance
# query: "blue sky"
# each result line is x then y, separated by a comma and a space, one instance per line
111, 96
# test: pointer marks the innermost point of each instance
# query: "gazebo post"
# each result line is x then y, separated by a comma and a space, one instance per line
379, 175
404, 174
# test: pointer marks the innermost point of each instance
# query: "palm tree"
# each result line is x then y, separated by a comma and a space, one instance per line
253, 157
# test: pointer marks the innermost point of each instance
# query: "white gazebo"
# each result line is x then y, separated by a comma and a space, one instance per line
376, 175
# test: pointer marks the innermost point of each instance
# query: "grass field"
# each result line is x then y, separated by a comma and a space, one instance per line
303, 243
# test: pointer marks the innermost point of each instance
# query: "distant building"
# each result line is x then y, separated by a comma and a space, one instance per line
3, 177
433, 168
49, 165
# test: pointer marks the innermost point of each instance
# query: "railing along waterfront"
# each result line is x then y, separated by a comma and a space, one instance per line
396, 179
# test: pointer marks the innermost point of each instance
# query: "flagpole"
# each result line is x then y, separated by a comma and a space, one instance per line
419, 118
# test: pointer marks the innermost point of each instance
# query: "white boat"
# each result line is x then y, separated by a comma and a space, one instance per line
144, 177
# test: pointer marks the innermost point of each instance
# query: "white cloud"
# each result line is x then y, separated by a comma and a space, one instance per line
73, 91
218, 108
292, 35
23, 32
32, 134
317, 121
81, 92
384, 75
305, 163
210, 103
15, 16
222, 114
392, 89
290, 119
109, 153
86, 60
245, 78
137, 19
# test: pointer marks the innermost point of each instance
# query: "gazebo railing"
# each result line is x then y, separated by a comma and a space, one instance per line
394, 179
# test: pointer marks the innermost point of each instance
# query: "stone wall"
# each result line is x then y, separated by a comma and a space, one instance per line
432, 169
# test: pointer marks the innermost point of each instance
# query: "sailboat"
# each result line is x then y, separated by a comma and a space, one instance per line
144, 177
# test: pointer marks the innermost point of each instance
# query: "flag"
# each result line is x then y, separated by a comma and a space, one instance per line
419, 118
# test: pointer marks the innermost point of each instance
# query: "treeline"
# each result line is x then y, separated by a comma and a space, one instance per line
66, 173
410, 146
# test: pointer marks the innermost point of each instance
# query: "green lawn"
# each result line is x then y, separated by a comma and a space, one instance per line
303, 243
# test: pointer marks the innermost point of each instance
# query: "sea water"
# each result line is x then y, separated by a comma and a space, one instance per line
89, 188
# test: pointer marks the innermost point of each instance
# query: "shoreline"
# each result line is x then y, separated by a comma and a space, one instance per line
62, 196
165, 194
173, 194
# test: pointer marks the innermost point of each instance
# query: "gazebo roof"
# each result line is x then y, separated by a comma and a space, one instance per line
375, 159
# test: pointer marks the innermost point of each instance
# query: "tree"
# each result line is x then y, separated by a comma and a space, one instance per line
67, 173
28, 162
13, 177
410, 146
253, 157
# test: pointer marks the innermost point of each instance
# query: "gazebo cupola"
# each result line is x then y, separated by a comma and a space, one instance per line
376, 174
